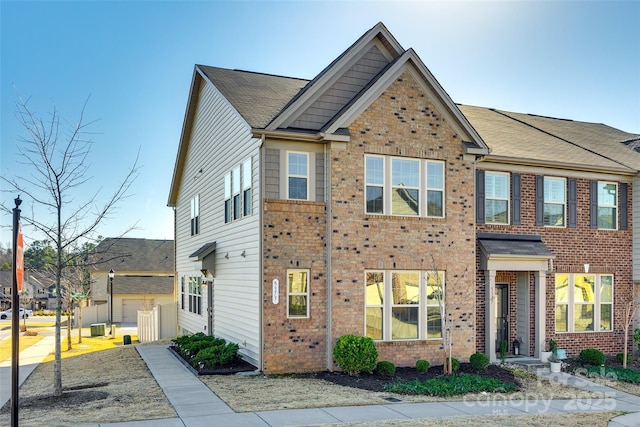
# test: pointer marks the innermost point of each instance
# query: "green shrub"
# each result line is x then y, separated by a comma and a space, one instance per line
450, 385
636, 337
504, 346
355, 354
620, 358
455, 364
217, 355
479, 361
422, 365
627, 375
592, 356
553, 345
385, 368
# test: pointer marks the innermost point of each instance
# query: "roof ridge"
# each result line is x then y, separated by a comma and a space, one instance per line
253, 72
506, 114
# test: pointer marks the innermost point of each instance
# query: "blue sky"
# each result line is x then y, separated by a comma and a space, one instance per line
571, 59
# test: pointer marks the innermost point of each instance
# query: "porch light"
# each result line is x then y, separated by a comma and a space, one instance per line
586, 268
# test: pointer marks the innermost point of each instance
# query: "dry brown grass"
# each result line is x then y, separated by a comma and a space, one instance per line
125, 390
117, 377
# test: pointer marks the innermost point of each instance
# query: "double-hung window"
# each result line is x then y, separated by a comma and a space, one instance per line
237, 192
298, 293
607, 205
195, 295
227, 197
195, 215
403, 305
246, 187
406, 187
235, 185
497, 192
554, 201
297, 175
584, 302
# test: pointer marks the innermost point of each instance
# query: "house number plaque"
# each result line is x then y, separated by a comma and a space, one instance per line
275, 291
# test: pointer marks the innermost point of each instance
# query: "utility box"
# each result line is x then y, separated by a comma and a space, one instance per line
98, 329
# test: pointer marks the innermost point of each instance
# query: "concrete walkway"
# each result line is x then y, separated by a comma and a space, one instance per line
197, 406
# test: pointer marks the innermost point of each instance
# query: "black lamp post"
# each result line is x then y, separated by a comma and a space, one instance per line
111, 275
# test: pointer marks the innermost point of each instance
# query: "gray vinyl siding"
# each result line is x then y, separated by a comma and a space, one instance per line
343, 90
272, 174
220, 141
636, 227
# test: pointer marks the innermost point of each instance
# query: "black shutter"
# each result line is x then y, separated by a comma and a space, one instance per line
516, 199
572, 214
593, 204
623, 206
480, 197
539, 200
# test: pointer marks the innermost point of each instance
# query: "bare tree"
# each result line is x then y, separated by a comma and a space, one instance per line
629, 314
54, 175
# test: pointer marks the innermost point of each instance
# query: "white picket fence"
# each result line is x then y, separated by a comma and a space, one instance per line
159, 323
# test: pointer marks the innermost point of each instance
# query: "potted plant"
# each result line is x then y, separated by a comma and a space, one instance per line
555, 364
545, 355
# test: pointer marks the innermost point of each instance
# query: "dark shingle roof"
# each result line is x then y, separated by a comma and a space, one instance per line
513, 244
127, 254
257, 97
143, 285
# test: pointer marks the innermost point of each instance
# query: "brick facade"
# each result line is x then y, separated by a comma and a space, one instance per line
606, 251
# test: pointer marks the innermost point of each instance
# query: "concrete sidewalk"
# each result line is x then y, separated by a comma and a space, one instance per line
197, 406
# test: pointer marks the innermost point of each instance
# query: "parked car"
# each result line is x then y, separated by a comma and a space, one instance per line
23, 313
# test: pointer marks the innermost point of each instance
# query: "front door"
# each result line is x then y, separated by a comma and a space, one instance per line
502, 315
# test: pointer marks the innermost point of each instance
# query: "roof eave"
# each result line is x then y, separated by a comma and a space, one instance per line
558, 165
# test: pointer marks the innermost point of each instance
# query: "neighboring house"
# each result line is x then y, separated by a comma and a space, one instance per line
37, 290
554, 231
143, 275
307, 210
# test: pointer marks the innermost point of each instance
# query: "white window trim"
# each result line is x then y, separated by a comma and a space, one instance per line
387, 308
288, 175
423, 189
236, 183
307, 293
564, 204
194, 304
507, 199
247, 184
596, 304
194, 222
614, 206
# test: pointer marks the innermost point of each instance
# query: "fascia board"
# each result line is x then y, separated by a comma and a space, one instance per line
576, 170
329, 76
187, 125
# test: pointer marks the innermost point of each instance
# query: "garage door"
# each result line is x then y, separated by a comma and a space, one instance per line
130, 309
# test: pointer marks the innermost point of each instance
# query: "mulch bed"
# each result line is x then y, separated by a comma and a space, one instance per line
237, 366
376, 382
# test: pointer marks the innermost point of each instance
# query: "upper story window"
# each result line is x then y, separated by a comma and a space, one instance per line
195, 215
607, 205
246, 187
237, 192
297, 175
554, 201
496, 197
407, 187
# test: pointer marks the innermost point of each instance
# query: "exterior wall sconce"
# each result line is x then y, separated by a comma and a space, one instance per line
227, 255
586, 268
244, 254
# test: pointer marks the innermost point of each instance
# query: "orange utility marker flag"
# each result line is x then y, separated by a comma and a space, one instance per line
20, 258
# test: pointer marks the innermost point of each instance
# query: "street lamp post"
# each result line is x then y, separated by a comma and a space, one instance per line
111, 275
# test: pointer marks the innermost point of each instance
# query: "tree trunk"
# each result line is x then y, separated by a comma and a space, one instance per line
57, 364
79, 321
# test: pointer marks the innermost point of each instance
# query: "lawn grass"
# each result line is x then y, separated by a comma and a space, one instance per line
450, 385
89, 344
5, 345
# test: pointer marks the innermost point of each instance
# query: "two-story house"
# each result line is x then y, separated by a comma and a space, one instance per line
356, 202
554, 232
